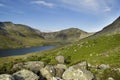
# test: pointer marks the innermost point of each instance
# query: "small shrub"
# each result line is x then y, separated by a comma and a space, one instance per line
68, 60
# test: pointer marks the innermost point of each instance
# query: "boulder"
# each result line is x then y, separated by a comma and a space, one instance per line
25, 75
103, 66
6, 77
61, 66
75, 72
110, 78
46, 74
59, 70
51, 71
60, 59
34, 66
83, 65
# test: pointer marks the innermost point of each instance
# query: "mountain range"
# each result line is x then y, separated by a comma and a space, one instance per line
98, 53
19, 36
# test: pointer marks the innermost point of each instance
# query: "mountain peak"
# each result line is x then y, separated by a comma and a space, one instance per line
113, 28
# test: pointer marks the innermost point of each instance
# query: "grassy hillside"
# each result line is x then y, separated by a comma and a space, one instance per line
19, 36
97, 50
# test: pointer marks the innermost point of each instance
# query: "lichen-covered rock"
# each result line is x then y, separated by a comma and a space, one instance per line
34, 66
76, 73
62, 66
60, 59
110, 78
59, 70
51, 71
103, 66
82, 65
46, 74
6, 77
25, 75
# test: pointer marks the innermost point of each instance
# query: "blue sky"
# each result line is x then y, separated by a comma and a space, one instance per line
53, 15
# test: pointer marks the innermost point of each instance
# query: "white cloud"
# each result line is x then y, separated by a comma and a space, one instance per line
88, 5
107, 9
44, 3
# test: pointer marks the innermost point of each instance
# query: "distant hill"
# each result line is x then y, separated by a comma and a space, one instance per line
19, 36
113, 28
66, 35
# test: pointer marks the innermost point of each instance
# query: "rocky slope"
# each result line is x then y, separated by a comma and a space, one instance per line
113, 28
40, 71
18, 35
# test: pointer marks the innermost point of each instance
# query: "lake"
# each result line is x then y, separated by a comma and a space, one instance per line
21, 51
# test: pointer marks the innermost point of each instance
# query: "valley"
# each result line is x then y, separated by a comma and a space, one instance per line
96, 56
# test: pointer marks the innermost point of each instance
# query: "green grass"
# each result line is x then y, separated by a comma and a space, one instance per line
95, 50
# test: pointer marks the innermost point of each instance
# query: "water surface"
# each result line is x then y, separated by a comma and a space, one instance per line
21, 51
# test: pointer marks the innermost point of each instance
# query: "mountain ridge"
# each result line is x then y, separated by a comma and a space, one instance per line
112, 28
25, 36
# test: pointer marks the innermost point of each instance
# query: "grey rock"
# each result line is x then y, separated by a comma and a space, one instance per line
116, 69
34, 66
61, 66
103, 66
6, 77
82, 65
76, 73
110, 78
46, 74
25, 75
60, 59
50, 71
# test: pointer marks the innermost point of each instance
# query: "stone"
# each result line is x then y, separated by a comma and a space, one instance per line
76, 73
59, 72
34, 66
83, 65
50, 71
60, 59
103, 66
25, 75
46, 74
6, 77
59, 69
110, 78
61, 66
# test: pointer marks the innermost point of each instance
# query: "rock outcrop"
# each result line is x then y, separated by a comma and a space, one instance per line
60, 59
6, 77
77, 72
103, 66
25, 75
34, 66
29, 71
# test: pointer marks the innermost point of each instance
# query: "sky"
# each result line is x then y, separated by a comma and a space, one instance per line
54, 15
